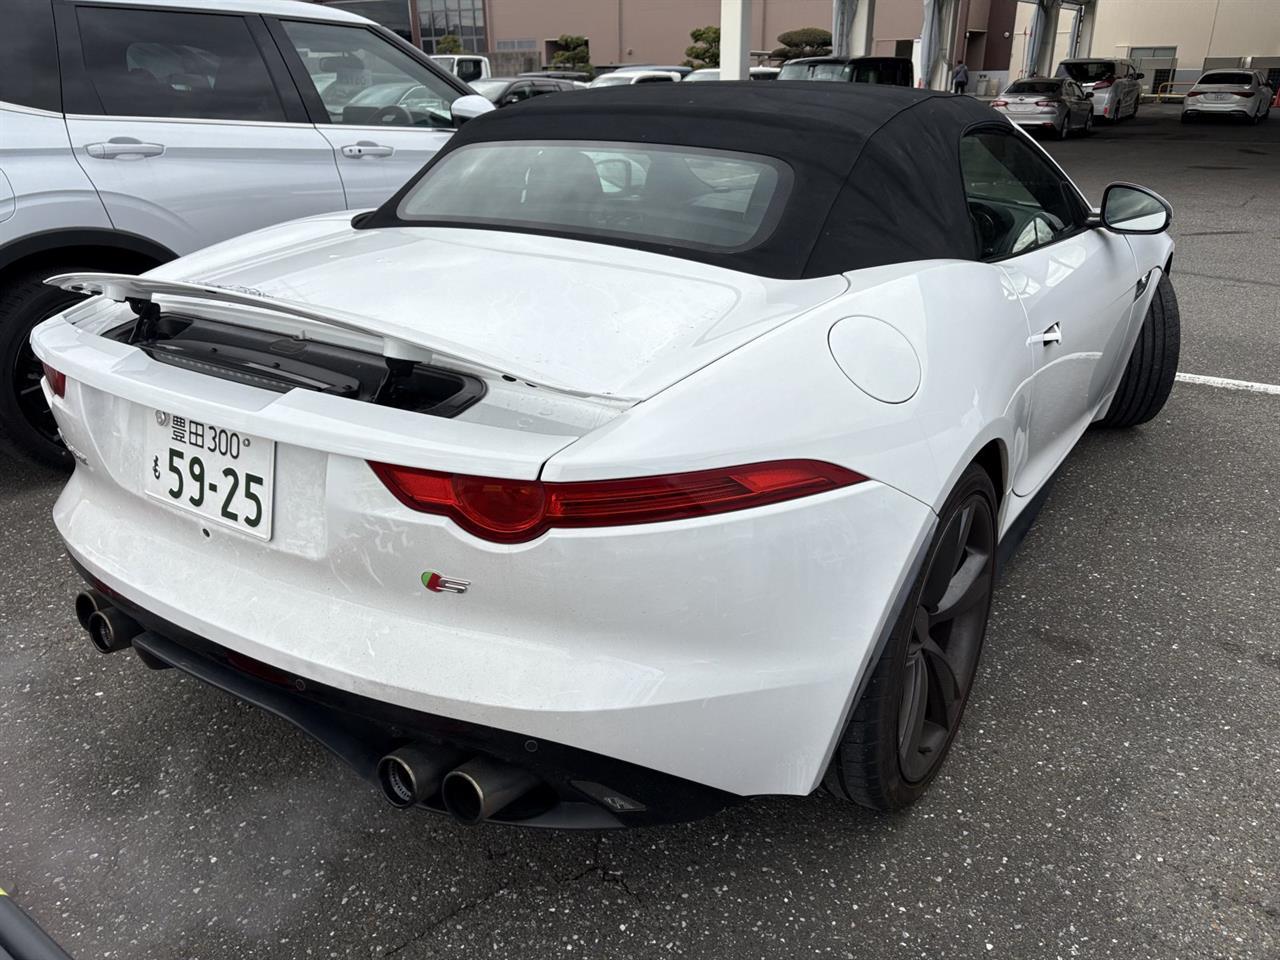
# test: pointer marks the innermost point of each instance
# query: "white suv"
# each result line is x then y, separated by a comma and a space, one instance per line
134, 131
1116, 85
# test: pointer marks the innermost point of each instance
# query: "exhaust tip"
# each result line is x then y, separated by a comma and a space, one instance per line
412, 774
482, 788
463, 797
396, 779
110, 630
88, 602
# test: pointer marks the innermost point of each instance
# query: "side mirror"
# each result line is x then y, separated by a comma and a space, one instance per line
1089, 95
509, 99
1142, 76
1128, 208
468, 108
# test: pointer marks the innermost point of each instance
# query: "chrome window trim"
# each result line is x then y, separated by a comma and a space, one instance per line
32, 111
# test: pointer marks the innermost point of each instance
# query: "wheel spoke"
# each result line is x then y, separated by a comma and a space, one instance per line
911, 713
967, 588
947, 559
946, 692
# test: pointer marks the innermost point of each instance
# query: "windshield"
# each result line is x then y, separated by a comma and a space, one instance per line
814, 71
1087, 71
492, 89
1234, 79
1039, 87
656, 194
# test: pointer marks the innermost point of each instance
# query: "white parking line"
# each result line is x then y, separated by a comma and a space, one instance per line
1226, 384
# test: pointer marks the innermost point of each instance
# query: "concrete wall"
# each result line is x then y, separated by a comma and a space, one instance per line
644, 31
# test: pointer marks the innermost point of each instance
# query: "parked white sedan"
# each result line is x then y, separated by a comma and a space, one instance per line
1230, 93
564, 500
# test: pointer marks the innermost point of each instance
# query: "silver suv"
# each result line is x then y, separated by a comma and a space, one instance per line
135, 131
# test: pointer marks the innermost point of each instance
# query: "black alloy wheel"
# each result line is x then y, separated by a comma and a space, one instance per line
947, 628
906, 718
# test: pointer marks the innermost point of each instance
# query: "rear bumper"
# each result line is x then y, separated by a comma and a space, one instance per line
724, 651
360, 731
1234, 109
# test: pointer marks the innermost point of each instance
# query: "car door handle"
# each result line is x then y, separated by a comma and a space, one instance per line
1141, 286
123, 148
366, 148
1052, 335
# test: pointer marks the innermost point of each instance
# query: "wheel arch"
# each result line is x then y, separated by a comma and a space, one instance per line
110, 248
994, 459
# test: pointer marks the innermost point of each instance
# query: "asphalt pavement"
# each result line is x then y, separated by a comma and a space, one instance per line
1114, 793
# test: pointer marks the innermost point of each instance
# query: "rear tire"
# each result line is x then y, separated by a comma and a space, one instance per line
1148, 378
903, 725
27, 427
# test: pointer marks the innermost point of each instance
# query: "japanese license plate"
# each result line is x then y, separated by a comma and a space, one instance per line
1218, 97
221, 475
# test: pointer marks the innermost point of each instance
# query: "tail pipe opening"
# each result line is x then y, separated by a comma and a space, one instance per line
413, 774
481, 788
89, 602
110, 630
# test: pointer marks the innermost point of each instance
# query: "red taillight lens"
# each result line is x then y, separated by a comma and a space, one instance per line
999, 103
57, 380
514, 511
1242, 93
1103, 84
1194, 93
1046, 103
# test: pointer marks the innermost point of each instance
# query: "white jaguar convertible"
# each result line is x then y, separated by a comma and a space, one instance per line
651, 449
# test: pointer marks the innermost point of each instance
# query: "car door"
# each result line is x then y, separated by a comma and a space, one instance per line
188, 125
384, 111
521, 90
1076, 284
1081, 107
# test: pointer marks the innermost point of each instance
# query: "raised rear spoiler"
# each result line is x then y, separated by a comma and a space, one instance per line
400, 344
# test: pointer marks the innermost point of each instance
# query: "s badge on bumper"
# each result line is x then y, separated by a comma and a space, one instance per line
438, 583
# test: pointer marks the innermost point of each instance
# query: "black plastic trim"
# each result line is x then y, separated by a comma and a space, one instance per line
121, 240
1018, 530
360, 730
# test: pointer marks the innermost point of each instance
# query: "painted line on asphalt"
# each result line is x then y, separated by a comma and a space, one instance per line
1227, 384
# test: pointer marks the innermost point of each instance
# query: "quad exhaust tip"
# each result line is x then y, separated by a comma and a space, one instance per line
109, 629
481, 788
413, 773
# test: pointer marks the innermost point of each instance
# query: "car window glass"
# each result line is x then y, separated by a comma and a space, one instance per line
184, 65
364, 80
671, 195
1017, 201
468, 69
29, 57
1232, 79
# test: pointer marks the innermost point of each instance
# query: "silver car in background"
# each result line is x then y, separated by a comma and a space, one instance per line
1230, 93
1054, 105
1115, 84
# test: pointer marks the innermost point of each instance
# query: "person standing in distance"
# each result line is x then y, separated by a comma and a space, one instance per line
960, 77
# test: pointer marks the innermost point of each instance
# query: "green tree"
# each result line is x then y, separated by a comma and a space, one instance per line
705, 50
805, 42
449, 44
574, 53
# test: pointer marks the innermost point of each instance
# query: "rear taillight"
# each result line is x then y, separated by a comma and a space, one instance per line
57, 380
1194, 93
1046, 103
1242, 93
1103, 84
999, 103
514, 511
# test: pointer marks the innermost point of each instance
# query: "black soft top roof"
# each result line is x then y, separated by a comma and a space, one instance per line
876, 168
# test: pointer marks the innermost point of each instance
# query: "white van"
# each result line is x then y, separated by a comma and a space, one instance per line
465, 66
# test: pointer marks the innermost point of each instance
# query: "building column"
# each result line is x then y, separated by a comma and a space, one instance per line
1084, 33
1044, 30
735, 39
864, 19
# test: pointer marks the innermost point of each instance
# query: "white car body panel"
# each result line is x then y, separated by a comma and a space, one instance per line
46, 189
152, 196
373, 175
1207, 98
654, 319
